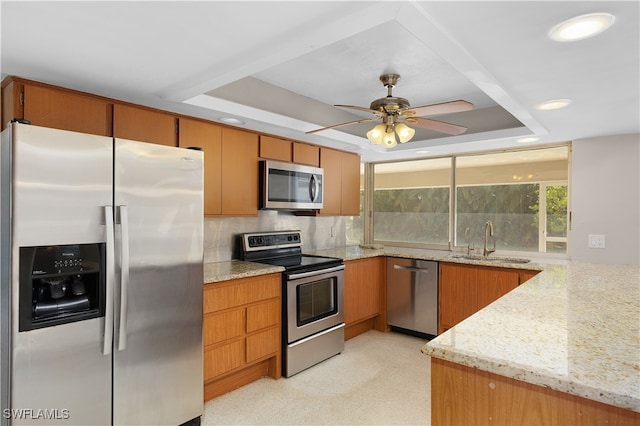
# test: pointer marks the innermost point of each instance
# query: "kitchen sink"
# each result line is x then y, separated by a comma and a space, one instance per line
495, 259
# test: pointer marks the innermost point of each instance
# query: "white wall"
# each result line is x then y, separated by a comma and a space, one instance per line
605, 198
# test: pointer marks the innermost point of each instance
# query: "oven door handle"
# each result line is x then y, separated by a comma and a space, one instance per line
312, 273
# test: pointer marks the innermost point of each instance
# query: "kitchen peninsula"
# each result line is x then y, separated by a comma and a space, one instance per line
571, 332
563, 348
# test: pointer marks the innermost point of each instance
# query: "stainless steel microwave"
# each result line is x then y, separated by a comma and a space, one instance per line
290, 186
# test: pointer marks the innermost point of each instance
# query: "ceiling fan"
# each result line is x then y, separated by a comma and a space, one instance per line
395, 113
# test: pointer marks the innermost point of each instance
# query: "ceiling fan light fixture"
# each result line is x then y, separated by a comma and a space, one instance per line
405, 133
389, 139
375, 135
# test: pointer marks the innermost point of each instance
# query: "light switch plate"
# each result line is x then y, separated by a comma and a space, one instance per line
596, 241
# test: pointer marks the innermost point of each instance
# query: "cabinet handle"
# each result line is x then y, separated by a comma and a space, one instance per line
411, 268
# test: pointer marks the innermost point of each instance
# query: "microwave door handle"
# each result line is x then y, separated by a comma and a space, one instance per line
313, 187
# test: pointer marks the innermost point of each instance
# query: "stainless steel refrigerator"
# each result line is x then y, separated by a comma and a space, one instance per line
101, 294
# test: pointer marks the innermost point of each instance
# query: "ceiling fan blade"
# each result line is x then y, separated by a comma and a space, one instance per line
438, 126
435, 109
372, 111
366, 120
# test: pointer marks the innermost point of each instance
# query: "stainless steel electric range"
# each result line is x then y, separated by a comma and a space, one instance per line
312, 297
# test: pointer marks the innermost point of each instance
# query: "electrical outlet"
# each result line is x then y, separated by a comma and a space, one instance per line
333, 231
596, 241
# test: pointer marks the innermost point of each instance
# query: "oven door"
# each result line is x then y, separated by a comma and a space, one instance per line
314, 302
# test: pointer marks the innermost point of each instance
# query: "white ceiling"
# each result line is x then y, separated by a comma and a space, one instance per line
280, 66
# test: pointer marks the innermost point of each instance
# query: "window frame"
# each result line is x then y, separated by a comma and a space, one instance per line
369, 189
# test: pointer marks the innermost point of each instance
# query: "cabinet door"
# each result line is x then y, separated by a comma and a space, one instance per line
275, 148
350, 197
306, 154
60, 109
239, 172
331, 162
494, 283
363, 289
458, 294
208, 137
144, 125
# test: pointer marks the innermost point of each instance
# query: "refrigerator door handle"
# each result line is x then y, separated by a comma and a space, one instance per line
124, 280
110, 272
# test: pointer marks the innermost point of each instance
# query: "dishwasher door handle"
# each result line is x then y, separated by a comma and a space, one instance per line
411, 268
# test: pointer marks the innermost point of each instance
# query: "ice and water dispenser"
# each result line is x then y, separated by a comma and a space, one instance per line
61, 284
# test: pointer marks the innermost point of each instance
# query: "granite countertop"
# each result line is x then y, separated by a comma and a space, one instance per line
574, 328
233, 269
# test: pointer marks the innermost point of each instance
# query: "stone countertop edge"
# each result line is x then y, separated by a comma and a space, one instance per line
234, 269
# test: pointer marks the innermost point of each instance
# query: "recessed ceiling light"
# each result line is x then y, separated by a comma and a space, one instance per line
232, 120
553, 104
581, 27
528, 139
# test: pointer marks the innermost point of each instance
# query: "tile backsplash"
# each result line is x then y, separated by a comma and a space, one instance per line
220, 234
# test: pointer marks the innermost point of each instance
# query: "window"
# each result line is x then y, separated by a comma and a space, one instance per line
523, 193
411, 202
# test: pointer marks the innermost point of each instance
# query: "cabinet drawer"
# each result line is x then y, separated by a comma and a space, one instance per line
229, 294
223, 326
223, 358
263, 343
263, 315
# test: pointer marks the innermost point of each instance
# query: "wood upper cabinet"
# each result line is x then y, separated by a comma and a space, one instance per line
289, 151
239, 172
58, 108
306, 154
230, 166
364, 295
341, 182
275, 148
144, 125
465, 289
208, 137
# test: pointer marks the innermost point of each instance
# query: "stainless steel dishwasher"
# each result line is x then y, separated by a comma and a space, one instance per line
412, 295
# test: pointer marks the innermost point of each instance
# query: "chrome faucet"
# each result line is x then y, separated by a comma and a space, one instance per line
488, 232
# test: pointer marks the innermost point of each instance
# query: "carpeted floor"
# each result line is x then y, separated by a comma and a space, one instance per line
379, 379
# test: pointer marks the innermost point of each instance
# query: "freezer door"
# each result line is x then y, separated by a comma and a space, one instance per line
61, 183
158, 332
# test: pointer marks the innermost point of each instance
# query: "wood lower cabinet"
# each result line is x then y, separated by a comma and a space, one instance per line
241, 332
465, 289
364, 296
58, 108
341, 182
461, 395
